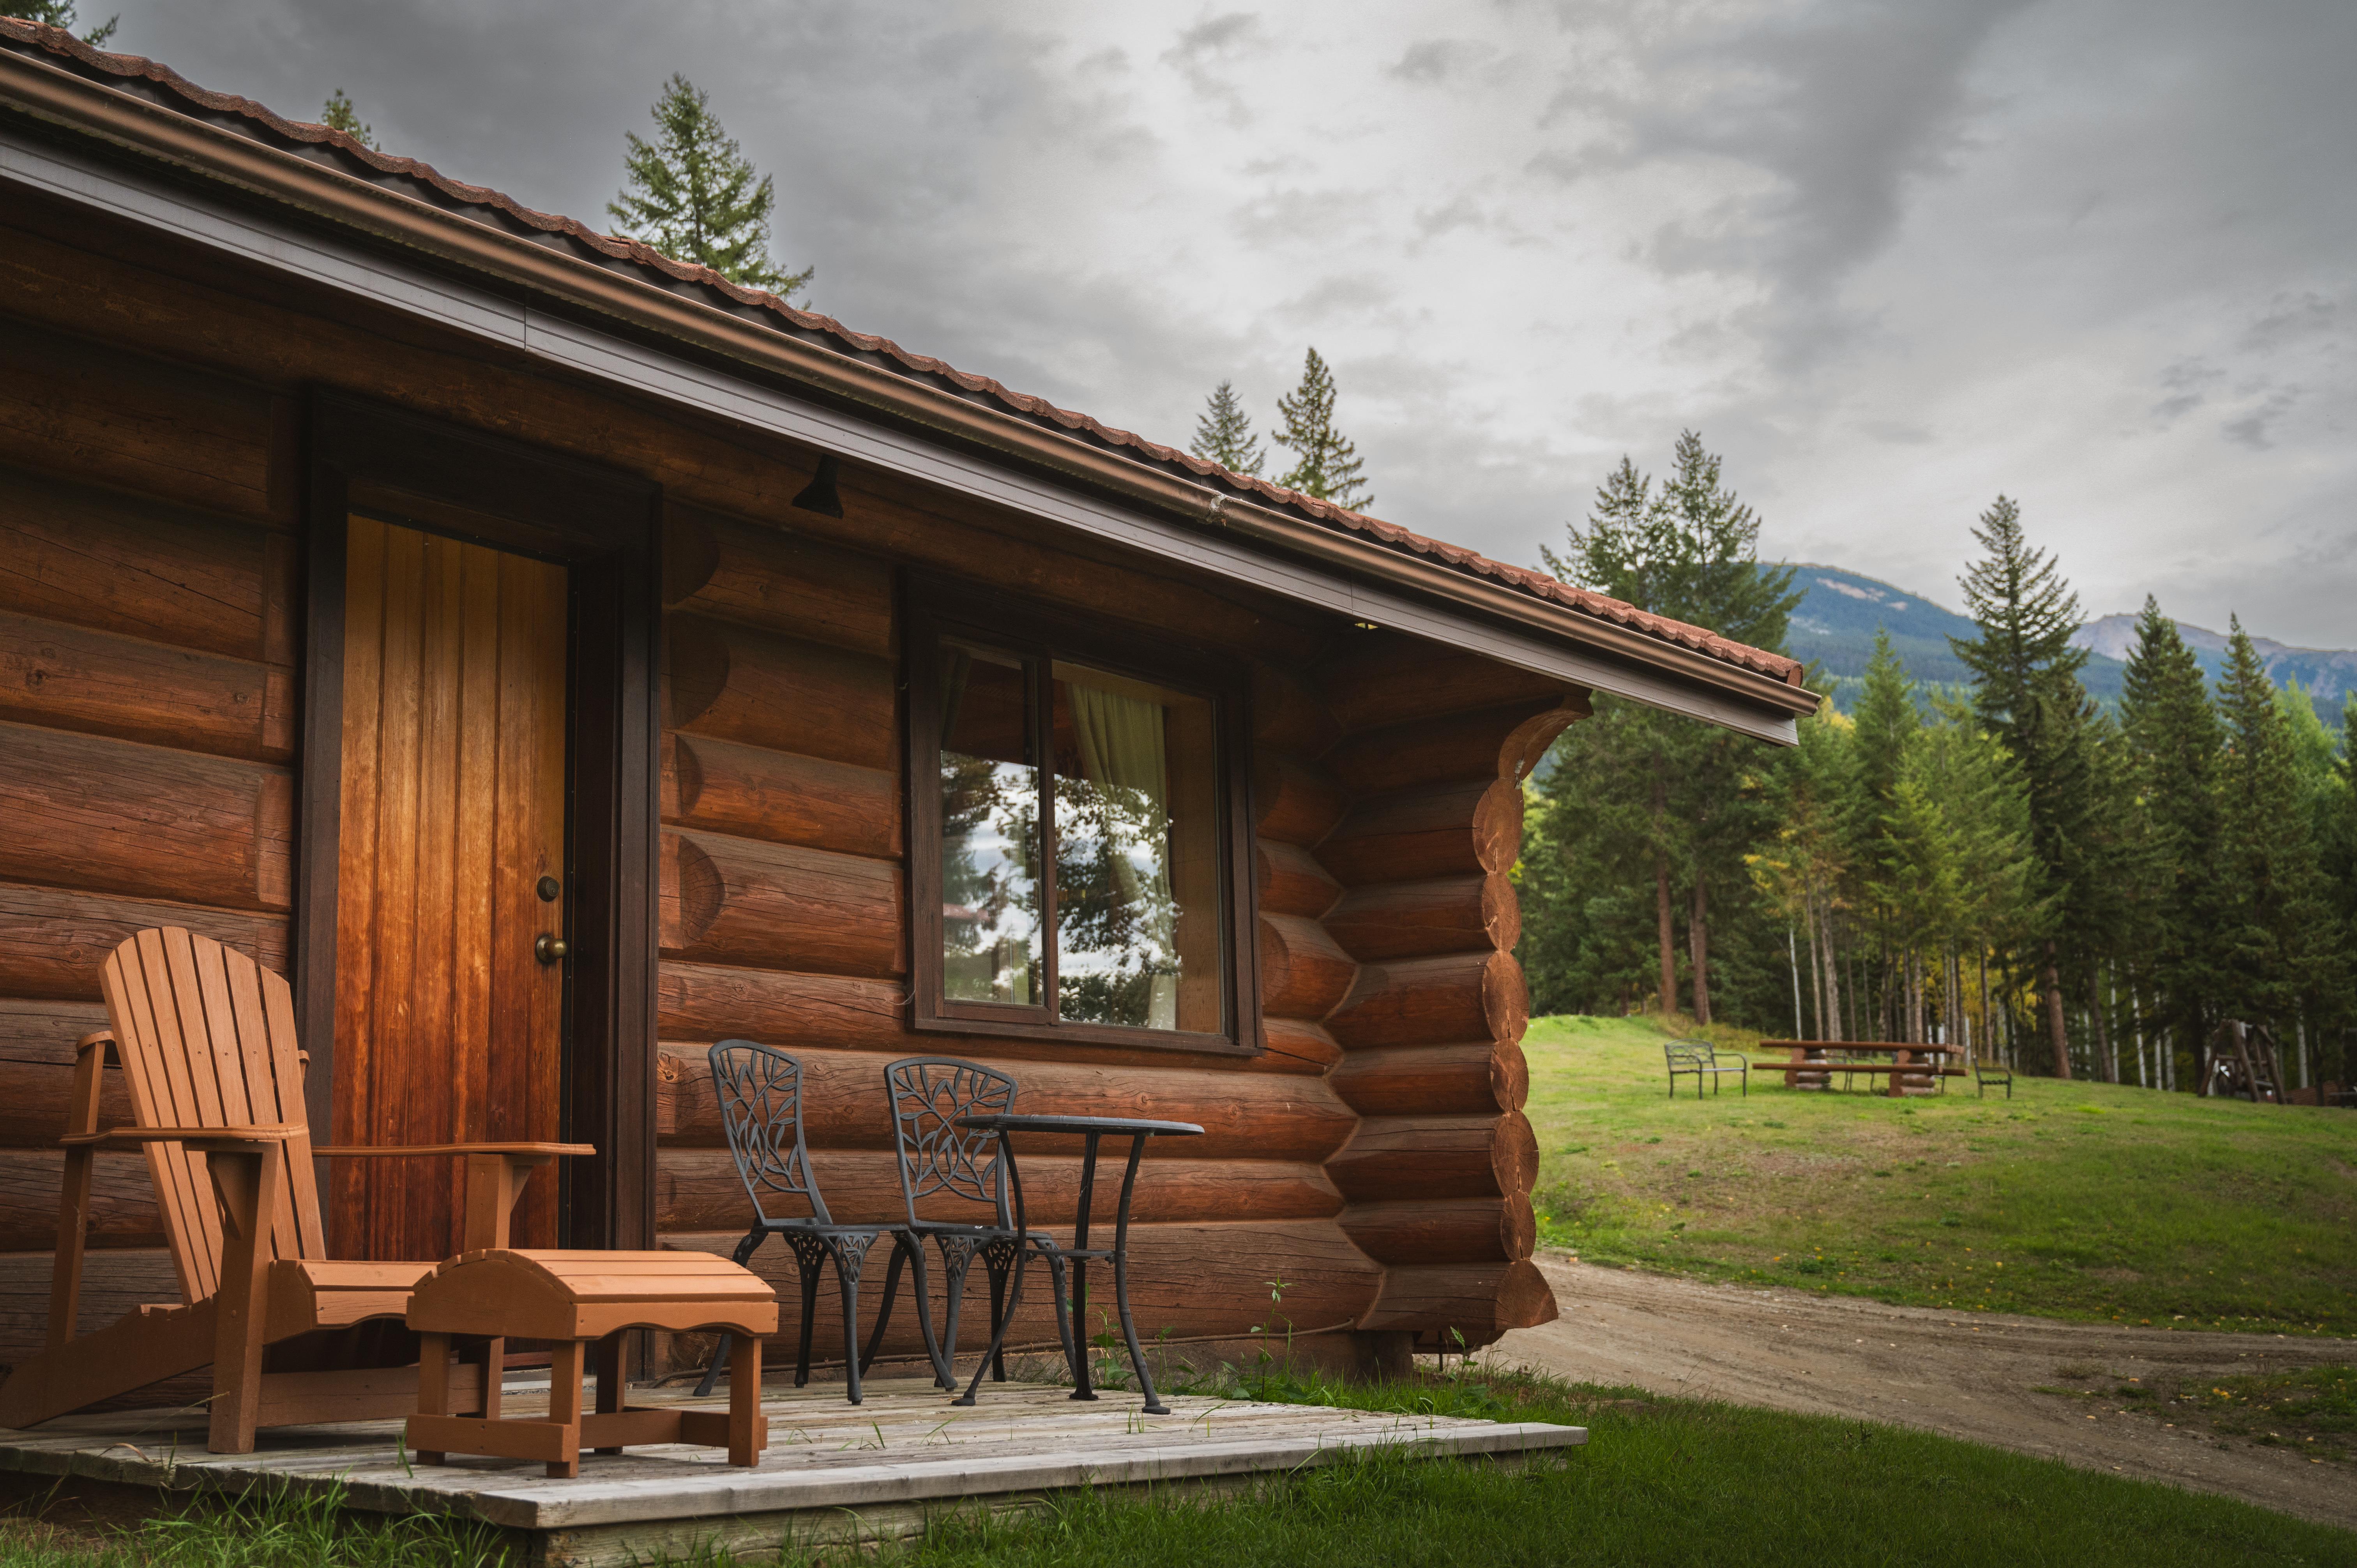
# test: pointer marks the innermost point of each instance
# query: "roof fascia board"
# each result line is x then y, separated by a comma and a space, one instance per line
1234, 539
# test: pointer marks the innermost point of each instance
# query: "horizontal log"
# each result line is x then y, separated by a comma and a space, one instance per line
98, 559
754, 792
710, 1001
1450, 1231
35, 1100
53, 939
1478, 1079
1434, 1001
761, 576
1302, 973
1491, 743
55, 270
1296, 804
1393, 679
1290, 715
1256, 1116
114, 1281
774, 906
42, 1033
1479, 1301
782, 693
103, 415
108, 816
1450, 831
75, 678
123, 1211
697, 1189
1191, 1280
1423, 919
1287, 880
1425, 1157
1299, 1045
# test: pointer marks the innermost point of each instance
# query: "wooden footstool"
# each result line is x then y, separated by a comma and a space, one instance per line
574, 1300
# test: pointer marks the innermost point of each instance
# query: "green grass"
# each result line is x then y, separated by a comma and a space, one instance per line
2072, 1200
2312, 1412
1661, 1482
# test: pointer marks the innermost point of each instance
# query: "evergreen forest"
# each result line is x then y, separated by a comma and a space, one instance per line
2077, 889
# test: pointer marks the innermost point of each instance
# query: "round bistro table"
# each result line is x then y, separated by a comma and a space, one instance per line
1093, 1131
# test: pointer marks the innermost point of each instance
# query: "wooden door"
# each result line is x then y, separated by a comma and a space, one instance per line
450, 869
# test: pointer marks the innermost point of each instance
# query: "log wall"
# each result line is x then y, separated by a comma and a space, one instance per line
1373, 1155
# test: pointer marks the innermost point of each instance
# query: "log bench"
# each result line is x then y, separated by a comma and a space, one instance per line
575, 1300
1907, 1061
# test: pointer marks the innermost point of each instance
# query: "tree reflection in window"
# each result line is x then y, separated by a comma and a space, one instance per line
990, 828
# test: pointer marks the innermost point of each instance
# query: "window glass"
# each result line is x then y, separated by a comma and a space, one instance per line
990, 827
1137, 883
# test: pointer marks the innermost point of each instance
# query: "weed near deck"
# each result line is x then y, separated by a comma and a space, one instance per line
2072, 1200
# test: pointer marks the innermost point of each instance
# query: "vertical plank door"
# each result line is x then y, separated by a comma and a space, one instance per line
448, 1026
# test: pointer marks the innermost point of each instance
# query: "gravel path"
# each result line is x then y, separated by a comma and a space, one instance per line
1964, 1375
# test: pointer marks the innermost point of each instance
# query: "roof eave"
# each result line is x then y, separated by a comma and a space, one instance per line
550, 266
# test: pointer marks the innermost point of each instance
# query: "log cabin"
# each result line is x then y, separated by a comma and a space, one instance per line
554, 659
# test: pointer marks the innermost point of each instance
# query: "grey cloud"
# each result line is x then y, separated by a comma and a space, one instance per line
1438, 59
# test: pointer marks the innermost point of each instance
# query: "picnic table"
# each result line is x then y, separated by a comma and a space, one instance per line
1906, 1060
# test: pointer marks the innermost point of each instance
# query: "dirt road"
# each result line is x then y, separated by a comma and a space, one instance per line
1969, 1374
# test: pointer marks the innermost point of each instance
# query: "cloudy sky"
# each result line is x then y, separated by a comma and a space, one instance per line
1890, 259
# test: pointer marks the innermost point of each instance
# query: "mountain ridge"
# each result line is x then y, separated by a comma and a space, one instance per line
1833, 626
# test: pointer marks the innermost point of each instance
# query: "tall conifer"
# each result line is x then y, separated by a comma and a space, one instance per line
2173, 742
1326, 463
2272, 939
1223, 433
2025, 688
693, 195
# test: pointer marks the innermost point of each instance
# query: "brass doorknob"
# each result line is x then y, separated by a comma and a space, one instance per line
549, 950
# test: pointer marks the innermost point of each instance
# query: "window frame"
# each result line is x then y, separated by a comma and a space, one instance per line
935, 608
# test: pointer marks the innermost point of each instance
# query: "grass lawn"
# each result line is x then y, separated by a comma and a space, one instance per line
1661, 1482
2073, 1201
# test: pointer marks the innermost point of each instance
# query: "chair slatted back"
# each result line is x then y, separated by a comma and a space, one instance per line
206, 1036
929, 1095
760, 1092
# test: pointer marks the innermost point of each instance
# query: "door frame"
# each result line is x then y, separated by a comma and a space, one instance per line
605, 526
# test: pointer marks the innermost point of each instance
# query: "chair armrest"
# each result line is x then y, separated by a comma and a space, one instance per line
400, 1151
225, 1137
1740, 1056
97, 1039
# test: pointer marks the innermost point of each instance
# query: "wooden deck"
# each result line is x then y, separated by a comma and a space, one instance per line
834, 1472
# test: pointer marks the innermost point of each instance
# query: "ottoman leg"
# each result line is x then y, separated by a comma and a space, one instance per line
609, 1364
433, 1385
564, 1406
745, 1400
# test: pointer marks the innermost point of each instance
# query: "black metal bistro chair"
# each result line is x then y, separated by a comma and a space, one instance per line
930, 1095
759, 1089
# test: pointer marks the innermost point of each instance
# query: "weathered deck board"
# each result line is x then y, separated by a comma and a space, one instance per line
830, 1469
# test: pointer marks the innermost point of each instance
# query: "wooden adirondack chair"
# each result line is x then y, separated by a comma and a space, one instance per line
206, 1040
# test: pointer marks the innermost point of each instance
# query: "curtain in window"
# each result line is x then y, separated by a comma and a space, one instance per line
1122, 750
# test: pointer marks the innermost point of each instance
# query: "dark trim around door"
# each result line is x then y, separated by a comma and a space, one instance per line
606, 526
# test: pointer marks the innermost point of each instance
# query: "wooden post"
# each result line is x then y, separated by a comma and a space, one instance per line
609, 1362
246, 1177
564, 1406
745, 1398
433, 1386
73, 1205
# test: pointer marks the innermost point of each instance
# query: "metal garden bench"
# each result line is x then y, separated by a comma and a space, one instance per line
1699, 1059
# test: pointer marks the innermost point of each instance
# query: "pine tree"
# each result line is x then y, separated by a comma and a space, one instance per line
1223, 433
339, 116
2173, 739
694, 196
1326, 463
58, 14
2273, 937
2026, 690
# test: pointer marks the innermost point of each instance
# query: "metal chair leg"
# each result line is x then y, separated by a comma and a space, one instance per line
810, 1268
745, 1249
850, 1254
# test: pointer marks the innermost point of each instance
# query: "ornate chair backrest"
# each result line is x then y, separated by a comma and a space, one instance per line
760, 1092
1688, 1054
929, 1095
206, 1037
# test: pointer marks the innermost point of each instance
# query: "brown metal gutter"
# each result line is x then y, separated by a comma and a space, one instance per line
124, 120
